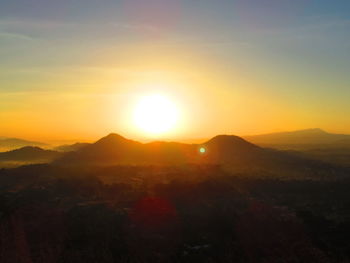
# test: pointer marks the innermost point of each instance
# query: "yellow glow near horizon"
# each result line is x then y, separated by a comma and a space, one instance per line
156, 114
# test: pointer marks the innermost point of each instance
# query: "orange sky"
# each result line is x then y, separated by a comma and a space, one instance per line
230, 68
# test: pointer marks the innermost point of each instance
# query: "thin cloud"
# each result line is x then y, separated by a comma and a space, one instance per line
9, 35
34, 24
136, 27
44, 24
331, 23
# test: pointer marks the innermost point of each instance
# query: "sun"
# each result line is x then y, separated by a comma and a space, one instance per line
156, 114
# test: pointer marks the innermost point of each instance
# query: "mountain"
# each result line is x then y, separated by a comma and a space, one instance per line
227, 149
27, 155
231, 152
108, 150
70, 147
8, 144
115, 149
302, 139
231, 144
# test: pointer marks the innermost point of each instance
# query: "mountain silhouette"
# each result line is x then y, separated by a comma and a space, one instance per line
8, 144
226, 144
70, 147
29, 154
229, 151
115, 149
235, 153
115, 140
297, 139
111, 149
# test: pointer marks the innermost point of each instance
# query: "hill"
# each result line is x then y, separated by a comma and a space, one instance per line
70, 147
8, 144
27, 155
301, 139
115, 149
231, 152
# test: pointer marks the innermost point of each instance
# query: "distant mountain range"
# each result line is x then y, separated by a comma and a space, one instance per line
294, 140
8, 144
115, 149
231, 152
301, 140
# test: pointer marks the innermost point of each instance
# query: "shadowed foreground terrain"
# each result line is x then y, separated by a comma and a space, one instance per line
174, 205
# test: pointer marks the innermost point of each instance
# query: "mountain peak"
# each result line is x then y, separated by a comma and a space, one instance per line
231, 142
313, 131
227, 139
26, 149
112, 141
112, 137
115, 135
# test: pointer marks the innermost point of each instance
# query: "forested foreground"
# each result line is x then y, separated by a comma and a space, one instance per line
170, 214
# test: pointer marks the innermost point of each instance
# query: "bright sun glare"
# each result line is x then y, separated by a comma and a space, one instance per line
156, 114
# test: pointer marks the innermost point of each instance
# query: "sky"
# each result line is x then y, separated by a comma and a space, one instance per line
74, 69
